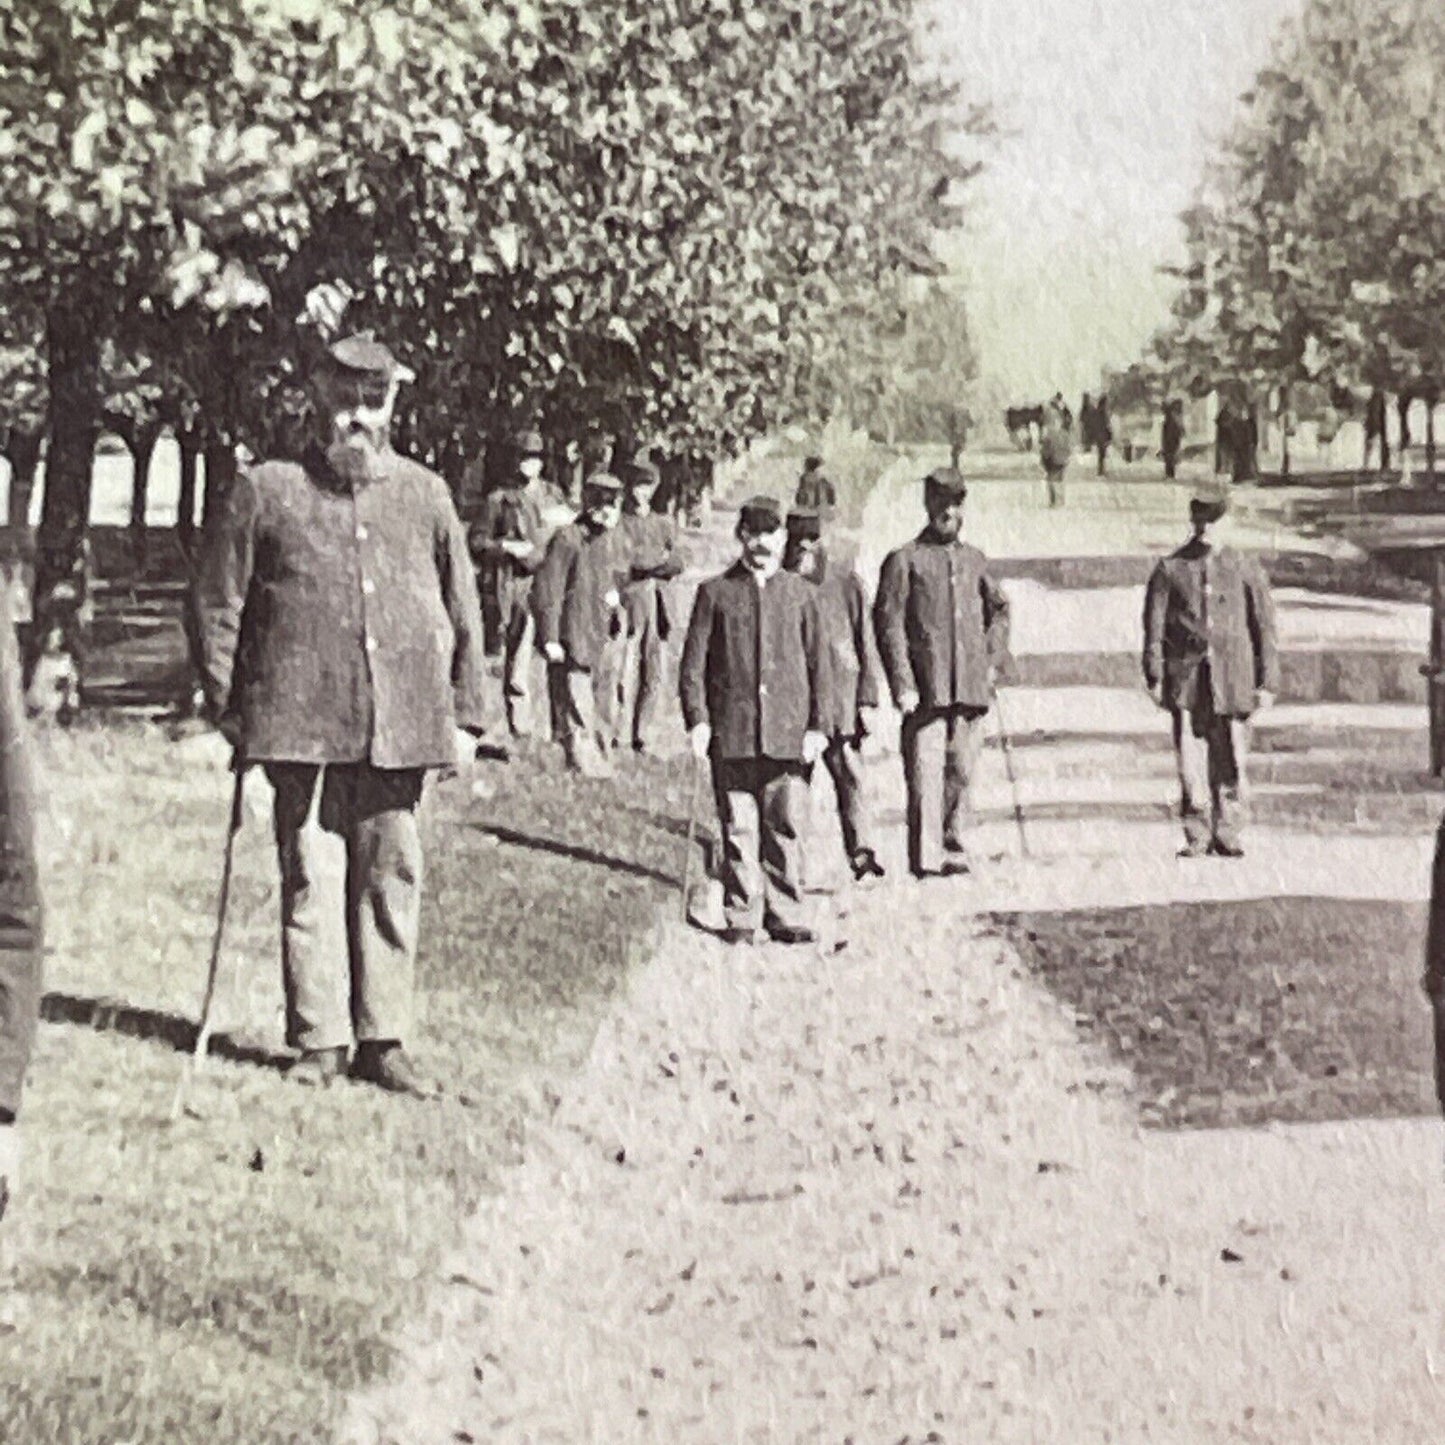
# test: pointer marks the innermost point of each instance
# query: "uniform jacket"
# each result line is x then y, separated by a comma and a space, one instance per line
21, 927
580, 567
1211, 605
754, 666
508, 514
339, 623
650, 540
853, 672
941, 620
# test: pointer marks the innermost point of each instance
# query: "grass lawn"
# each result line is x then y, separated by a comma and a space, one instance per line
228, 1277
1244, 1012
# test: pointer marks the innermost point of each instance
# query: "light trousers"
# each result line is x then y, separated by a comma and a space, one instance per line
762, 806
1211, 752
941, 747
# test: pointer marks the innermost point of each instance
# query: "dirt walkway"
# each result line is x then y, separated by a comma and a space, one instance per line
879, 1191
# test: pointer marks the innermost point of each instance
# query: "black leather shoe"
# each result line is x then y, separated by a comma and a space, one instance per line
1194, 850
318, 1067
957, 866
739, 935
866, 865
386, 1065
1221, 849
790, 933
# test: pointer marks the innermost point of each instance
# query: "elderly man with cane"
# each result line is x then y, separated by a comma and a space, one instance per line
342, 653
942, 625
753, 686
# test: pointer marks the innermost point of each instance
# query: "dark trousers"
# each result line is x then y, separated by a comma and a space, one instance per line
1211, 751
762, 805
940, 750
351, 873
641, 682
844, 761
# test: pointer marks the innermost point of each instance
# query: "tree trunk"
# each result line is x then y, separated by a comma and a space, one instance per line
1284, 430
1430, 439
220, 458
189, 445
22, 451
141, 441
62, 573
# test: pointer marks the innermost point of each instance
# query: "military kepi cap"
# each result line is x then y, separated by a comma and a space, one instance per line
529, 443
600, 485
805, 524
760, 514
362, 355
643, 473
947, 483
1208, 506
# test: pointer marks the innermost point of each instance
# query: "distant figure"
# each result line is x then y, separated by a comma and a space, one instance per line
752, 686
1088, 423
1210, 662
852, 681
1021, 422
1246, 445
1103, 433
1055, 447
1225, 439
816, 492
1172, 439
1375, 429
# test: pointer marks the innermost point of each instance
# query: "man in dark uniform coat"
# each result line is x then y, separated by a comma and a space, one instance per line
853, 681
21, 926
506, 541
342, 651
942, 625
650, 541
577, 601
754, 687
1172, 438
1210, 662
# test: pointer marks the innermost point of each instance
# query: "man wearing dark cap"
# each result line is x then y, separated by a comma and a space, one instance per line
942, 625
816, 492
852, 684
506, 540
650, 542
753, 687
577, 602
1210, 662
342, 651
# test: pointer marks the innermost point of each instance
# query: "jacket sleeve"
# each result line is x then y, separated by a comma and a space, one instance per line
223, 583
815, 655
21, 923
995, 617
459, 594
1259, 606
869, 673
692, 671
890, 624
549, 589
532, 531
1156, 606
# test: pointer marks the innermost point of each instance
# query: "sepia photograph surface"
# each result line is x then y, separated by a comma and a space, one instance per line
721, 722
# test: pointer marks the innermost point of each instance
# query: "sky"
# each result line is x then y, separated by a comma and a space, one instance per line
1109, 108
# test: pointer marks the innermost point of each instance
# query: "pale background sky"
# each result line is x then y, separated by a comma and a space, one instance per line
1113, 105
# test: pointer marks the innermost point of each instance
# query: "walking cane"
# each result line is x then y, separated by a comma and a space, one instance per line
687, 865
1006, 747
203, 1033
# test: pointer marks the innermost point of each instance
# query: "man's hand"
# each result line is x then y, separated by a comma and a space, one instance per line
516, 547
867, 722
814, 746
700, 740
464, 749
554, 652
908, 701
1156, 693
1263, 699
613, 598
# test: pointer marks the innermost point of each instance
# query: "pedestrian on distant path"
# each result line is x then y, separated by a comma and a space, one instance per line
21, 924
1103, 433
649, 540
816, 492
942, 626
577, 600
753, 686
1056, 445
1210, 661
851, 705
1376, 430
1172, 437
506, 540
343, 652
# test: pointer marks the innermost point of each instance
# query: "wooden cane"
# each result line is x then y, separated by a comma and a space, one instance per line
1006, 748
694, 800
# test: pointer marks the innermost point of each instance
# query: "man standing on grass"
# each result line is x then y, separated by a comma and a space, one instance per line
577, 602
343, 652
852, 688
506, 541
20, 922
1210, 662
816, 492
753, 686
650, 541
942, 625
